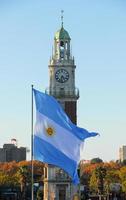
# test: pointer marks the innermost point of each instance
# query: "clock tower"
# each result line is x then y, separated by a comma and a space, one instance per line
57, 184
62, 74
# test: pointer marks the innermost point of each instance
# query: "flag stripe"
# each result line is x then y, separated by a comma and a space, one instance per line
46, 152
48, 106
62, 139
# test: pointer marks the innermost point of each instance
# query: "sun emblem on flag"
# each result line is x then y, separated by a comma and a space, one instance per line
50, 131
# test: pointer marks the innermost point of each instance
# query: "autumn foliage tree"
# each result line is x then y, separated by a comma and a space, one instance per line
122, 175
113, 173
14, 174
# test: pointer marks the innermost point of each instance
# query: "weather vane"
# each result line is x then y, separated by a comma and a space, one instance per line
62, 11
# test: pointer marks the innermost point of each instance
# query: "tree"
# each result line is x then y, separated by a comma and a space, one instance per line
124, 162
3, 179
100, 173
96, 160
24, 178
93, 183
122, 175
39, 194
112, 177
7, 180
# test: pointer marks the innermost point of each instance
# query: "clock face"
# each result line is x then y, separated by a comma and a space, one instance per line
62, 75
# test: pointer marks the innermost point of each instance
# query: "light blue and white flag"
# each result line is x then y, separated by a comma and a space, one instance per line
57, 140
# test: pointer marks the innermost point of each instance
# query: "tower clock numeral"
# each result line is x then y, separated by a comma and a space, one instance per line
61, 75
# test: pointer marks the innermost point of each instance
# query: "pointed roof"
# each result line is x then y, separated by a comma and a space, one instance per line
62, 34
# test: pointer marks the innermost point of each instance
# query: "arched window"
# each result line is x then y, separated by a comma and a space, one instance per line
66, 45
61, 49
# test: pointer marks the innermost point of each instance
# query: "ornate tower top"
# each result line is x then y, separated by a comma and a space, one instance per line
62, 52
62, 68
62, 34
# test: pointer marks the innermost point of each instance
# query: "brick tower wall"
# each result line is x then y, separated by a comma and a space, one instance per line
70, 109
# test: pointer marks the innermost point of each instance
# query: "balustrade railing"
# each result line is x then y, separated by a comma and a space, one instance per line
63, 93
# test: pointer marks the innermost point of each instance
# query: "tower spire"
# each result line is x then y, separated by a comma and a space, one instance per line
62, 11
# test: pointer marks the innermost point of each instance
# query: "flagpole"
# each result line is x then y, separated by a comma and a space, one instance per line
32, 166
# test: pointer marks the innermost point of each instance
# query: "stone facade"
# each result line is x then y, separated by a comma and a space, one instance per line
57, 184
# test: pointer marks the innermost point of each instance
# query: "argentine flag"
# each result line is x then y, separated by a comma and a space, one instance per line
57, 140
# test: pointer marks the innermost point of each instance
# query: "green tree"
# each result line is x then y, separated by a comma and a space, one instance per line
24, 178
7, 180
112, 176
96, 160
100, 173
122, 174
3, 179
39, 194
124, 162
93, 185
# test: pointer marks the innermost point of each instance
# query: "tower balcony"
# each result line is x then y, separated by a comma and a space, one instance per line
62, 93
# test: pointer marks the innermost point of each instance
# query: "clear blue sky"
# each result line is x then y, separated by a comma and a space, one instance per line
98, 32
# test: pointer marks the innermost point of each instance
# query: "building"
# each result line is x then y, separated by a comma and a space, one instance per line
57, 184
122, 153
83, 162
10, 152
